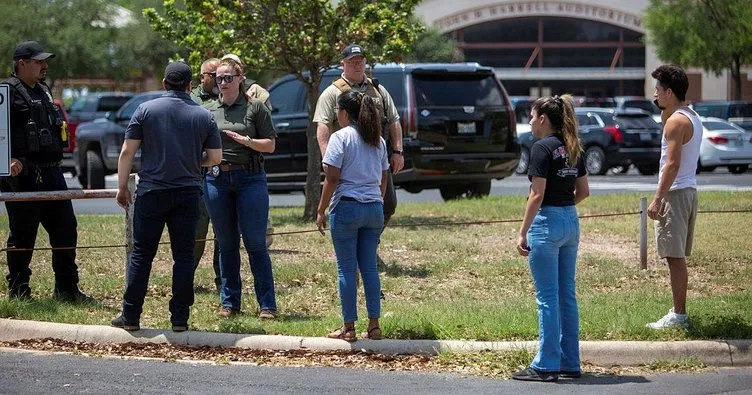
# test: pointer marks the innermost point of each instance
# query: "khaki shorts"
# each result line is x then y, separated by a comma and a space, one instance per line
675, 230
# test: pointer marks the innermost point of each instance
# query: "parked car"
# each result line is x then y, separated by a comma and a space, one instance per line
744, 123
98, 142
96, 104
638, 102
723, 109
92, 106
457, 121
522, 106
611, 138
724, 144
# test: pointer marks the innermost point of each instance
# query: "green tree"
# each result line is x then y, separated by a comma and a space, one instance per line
90, 38
433, 47
715, 35
302, 37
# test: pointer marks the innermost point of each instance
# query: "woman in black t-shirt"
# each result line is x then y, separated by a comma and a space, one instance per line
550, 235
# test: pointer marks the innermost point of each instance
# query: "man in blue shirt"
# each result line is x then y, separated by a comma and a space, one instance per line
176, 137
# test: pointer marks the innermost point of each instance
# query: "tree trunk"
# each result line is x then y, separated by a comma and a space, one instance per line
313, 178
737, 76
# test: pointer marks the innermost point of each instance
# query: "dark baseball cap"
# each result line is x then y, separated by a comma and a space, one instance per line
353, 50
31, 50
178, 73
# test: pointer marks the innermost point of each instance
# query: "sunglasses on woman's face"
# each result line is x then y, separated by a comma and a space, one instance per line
224, 79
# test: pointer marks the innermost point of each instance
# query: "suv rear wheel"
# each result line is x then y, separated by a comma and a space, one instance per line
94, 170
738, 169
595, 161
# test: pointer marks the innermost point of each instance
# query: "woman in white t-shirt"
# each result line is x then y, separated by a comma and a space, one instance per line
356, 166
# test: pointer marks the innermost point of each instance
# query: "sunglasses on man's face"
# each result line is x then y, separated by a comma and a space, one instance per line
224, 79
210, 75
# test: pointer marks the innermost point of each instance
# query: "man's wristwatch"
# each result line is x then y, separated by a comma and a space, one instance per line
398, 152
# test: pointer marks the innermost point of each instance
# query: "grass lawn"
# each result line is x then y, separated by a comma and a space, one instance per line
440, 282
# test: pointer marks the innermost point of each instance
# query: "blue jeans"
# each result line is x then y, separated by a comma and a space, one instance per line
356, 229
238, 203
178, 209
553, 239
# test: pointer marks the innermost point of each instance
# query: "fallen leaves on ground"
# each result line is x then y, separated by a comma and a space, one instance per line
487, 364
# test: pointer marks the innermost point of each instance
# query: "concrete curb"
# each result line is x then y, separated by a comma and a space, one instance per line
602, 353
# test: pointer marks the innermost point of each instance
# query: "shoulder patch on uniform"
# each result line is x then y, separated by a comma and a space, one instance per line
341, 84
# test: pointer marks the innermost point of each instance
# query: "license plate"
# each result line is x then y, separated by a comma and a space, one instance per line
646, 137
738, 143
465, 127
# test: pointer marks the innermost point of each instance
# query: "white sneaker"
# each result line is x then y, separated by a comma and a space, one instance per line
670, 320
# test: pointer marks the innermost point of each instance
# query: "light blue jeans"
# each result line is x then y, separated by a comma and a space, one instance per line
553, 239
356, 229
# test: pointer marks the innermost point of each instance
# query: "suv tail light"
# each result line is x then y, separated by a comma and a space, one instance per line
615, 133
718, 140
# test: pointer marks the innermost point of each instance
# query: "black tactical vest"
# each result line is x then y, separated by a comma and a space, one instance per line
44, 128
372, 90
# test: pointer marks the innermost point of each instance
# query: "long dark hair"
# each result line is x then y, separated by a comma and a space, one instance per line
560, 111
363, 110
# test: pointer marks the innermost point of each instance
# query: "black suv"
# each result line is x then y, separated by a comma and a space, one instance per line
98, 143
611, 138
457, 121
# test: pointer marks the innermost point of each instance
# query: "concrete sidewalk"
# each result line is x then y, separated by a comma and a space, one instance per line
601, 353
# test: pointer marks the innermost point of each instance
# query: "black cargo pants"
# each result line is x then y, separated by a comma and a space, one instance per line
57, 218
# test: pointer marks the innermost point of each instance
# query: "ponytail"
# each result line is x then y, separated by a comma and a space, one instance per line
363, 110
560, 111
570, 131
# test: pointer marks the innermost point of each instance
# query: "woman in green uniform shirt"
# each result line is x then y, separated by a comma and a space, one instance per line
236, 193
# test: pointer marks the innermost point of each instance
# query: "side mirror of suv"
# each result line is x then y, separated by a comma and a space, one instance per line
110, 115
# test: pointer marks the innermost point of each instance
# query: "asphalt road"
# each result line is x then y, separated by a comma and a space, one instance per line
31, 372
720, 180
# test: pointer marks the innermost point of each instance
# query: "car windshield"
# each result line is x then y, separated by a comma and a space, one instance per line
718, 125
81, 104
636, 122
457, 90
111, 103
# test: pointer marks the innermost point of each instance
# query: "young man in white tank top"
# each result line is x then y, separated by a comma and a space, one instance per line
674, 206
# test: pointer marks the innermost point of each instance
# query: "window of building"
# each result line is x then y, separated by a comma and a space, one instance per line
578, 57
507, 31
577, 30
499, 57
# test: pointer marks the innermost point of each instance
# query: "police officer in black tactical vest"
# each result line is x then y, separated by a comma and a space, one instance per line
38, 137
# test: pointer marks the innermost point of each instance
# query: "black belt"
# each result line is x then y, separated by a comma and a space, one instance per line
348, 199
231, 167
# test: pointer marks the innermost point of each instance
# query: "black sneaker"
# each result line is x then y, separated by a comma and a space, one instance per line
570, 374
20, 294
531, 374
74, 297
121, 322
179, 327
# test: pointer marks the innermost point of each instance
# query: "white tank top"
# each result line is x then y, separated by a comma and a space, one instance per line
690, 153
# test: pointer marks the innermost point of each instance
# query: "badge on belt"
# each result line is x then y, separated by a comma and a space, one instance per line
215, 170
